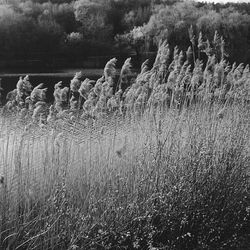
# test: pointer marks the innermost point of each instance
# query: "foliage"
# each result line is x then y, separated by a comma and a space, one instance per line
105, 24
171, 22
135, 39
93, 17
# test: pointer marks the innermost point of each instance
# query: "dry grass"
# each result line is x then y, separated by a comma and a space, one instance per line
161, 164
172, 180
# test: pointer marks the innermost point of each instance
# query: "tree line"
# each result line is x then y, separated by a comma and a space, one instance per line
71, 30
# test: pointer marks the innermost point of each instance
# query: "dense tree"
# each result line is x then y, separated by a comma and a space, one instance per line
93, 18
16, 33
77, 28
235, 28
171, 22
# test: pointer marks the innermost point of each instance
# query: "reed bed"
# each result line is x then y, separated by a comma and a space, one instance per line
161, 164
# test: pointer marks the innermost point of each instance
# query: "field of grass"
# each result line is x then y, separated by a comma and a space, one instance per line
163, 164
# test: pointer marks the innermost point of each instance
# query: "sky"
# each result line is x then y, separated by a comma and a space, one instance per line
225, 1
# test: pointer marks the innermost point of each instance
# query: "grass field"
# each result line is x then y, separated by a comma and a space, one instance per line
174, 180
163, 164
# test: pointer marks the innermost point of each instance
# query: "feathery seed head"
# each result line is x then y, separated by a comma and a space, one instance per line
75, 84
144, 67
38, 94
125, 72
58, 85
110, 70
85, 87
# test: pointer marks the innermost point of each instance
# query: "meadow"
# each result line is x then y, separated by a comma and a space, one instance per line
159, 160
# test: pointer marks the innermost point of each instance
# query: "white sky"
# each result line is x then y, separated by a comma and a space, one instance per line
225, 1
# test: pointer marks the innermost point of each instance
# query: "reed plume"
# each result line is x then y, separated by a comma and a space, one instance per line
110, 69
125, 73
